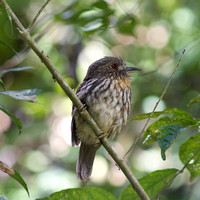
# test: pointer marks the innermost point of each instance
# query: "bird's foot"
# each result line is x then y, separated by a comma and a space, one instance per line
103, 135
82, 108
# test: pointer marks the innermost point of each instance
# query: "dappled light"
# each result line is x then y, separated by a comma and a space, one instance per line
149, 103
5, 122
100, 172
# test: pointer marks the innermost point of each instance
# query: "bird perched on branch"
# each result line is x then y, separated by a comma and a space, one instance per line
106, 94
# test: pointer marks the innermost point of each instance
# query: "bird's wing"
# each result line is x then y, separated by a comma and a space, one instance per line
81, 94
83, 90
74, 138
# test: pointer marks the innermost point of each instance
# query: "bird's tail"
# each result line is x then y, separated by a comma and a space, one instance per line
85, 160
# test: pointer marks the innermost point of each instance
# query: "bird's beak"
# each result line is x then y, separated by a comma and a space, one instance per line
131, 69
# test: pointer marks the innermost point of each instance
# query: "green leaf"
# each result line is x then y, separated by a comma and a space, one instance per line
190, 150
13, 117
195, 100
146, 115
7, 14
92, 20
15, 69
23, 95
14, 174
151, 183
178, 118
165, 129
1, 82
85, 193
9, 47
158, 113
126, 24
101, 5
167, 136
87, 17
20, 180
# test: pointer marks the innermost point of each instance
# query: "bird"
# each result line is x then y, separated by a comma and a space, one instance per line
106, 94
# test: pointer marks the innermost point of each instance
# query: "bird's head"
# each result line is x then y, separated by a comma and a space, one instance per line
110, 67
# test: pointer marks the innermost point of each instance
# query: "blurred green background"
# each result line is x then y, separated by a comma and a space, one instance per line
148, 34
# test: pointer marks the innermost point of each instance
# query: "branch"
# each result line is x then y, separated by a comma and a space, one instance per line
178, 172
161, 97
37, 15
77, 103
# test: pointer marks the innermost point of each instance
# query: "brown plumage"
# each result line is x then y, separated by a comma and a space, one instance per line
106, 93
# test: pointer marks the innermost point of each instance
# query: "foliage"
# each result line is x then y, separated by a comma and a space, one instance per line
189, 154
152, 184
165, 129
3, 72
195, 100
14, 174
81, 193
25, 95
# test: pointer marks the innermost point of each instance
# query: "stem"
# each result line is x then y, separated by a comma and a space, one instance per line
179, 172
161, 97
37, 15
70, 93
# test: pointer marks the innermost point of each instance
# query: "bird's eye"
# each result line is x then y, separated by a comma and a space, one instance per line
114, 66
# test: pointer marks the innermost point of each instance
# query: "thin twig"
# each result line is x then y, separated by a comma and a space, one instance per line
161, 97
37, 15
77, 103
179, 172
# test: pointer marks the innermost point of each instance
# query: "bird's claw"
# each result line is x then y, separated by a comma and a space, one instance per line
103, 135
82, 108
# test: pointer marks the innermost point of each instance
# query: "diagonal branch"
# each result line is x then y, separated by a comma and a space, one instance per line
70, 93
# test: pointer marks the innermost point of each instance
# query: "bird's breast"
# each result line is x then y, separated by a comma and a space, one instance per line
108, 102
109, 105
